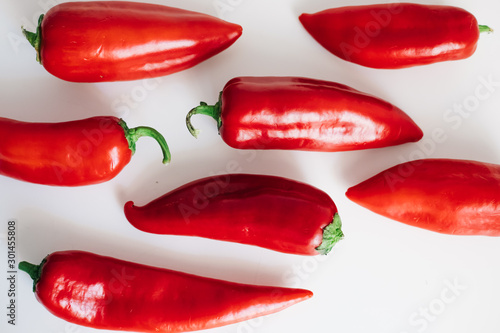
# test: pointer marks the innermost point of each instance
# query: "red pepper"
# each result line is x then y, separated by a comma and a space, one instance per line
73, 153
304, 114
395, 35
268, 211
117, 40
112, 294
443, 195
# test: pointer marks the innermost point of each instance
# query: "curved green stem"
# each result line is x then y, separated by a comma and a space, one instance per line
34, 271
332, 233
485, 28
133, 134
213, 111
35, 38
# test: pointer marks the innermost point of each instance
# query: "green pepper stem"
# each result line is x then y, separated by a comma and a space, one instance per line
34, 271
35, 38
332, 233
213, 111
485, 28
133, 134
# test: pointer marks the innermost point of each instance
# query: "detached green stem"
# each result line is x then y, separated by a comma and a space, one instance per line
35, 38
133, 134
213, 111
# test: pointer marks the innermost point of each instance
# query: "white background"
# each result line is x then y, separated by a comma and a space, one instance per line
384, 277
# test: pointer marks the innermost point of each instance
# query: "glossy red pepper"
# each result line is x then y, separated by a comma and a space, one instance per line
116, 40
73, 153
448, 196
268, 211
112, 294
304, 114
395, 35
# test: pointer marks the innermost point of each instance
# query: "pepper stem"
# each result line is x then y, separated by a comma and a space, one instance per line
34, 271
485, 28
213, 111
35, 38
133, 134
332, 233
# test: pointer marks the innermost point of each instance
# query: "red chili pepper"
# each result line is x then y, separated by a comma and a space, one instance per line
448, 196
117, 40
112, 294
395, 35
304, 114
72, 153
268, 211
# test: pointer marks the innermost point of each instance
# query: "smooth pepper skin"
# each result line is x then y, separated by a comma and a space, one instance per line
295, 113
117, 40
107, 293
72, 153
267, 211
457, 197
395, 35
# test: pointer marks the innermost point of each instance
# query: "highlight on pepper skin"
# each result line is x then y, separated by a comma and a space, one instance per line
101, 41
82, 288
272, 212
72, 153
395, 35
449, 196
296, 113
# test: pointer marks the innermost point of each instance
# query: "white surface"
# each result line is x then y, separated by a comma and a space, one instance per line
384, 277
